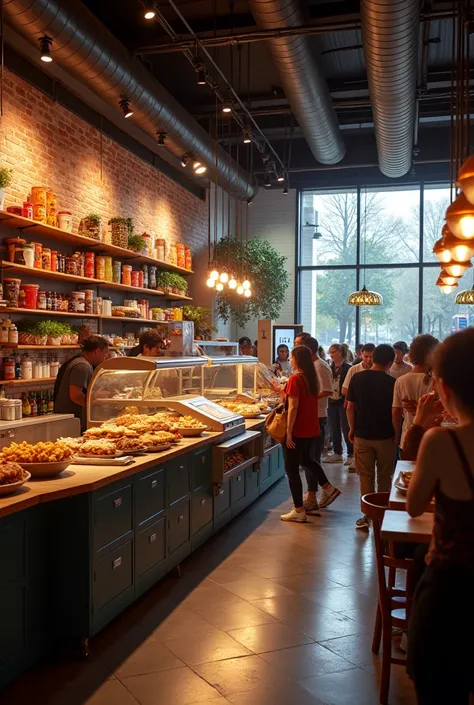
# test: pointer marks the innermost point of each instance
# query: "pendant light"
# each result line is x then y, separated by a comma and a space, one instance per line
456, 269
460, 218
447, 278
458, 249
466, 179
364, 297
465, 297
446, 288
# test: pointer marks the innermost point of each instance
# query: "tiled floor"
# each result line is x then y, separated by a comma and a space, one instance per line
265, 614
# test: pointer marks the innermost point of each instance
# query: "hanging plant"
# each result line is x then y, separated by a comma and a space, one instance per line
266, 270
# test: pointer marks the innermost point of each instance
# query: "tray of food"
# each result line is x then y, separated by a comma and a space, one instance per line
187, 426
131, 446
159, 448
12, 477
99, 447
43, 459
248, 411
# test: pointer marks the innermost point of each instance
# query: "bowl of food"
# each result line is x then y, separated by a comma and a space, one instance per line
189, 427
44, 459
12, 476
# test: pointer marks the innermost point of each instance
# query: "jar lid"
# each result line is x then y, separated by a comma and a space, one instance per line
11, 279
64, 212
28, 246
29, 286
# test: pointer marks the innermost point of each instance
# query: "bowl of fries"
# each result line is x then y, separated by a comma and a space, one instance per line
44, 459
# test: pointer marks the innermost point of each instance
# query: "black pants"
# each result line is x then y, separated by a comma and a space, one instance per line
294, 457
319, 476
440, 645
339, 427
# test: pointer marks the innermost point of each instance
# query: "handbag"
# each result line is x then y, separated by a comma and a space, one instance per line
277, 422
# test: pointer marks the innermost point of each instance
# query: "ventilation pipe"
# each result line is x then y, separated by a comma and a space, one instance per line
391, 35
87, 50
302, 78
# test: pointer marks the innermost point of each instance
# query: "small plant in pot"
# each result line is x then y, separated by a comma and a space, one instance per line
164, 280
136, 243
179, 284
91, 226
6, 176
201, 318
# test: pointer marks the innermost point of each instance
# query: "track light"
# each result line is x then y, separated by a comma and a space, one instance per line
280, 178
201, 74
268, 180
161, 139
185, 160
226, 107
126, 110
45, 43
198, 167
149, 11
247, 135
285, 190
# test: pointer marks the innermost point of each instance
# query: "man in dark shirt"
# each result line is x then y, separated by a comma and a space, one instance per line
369, 411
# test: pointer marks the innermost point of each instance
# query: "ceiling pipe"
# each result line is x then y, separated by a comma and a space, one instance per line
391, 37
302, 78
88, 51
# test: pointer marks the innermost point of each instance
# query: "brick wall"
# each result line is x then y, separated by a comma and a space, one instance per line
47, 145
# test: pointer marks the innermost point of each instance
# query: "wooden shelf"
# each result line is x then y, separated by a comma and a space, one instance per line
87, 281
39, 347
38, 380
40, 312
31, 226
129, 319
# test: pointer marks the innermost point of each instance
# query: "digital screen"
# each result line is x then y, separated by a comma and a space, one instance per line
283, 336
217, 412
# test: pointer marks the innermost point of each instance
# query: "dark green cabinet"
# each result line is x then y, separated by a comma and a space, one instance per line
149, 495
237, 490
179, 525
201, 469
150, 547
112, 576
178, 479
112, 515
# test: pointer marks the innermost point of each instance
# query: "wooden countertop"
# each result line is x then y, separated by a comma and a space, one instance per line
400, 526
398, 499
84, 478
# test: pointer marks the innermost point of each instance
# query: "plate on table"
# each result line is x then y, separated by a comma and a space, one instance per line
12, 486
158, 448
191, 432
46, 469
143, 451
400, 485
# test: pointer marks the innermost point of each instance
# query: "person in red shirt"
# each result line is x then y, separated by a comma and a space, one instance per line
301, 394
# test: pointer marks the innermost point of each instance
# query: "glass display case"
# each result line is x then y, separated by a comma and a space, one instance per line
191, 386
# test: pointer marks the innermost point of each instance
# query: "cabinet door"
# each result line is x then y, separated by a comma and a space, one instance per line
149, 495
238, 487
112, 575
264, 468
178, 479
13, 625
201, 509
150, 546
222, 501
112, 514
274, 461
201, 469
251, 479
179, 526
12, 549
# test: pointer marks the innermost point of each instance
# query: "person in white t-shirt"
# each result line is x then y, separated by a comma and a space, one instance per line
367, 352
400, 367
328, 492
412, 386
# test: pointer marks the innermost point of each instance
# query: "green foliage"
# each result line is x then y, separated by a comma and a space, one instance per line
117, 219
94, 218
130, 226
54, 329
266, 271
165, 280
136, 243
6, 176
201, 319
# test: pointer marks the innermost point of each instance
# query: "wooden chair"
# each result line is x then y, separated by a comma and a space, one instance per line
393, 607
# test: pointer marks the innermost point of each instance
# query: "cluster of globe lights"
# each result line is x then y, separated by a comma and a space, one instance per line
455, 248
220, 280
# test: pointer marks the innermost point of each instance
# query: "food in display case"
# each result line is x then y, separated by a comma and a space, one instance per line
248, 411
98, 446
39, 453
131, 445
232, 459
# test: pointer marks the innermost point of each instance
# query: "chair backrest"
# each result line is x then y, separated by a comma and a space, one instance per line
374, 506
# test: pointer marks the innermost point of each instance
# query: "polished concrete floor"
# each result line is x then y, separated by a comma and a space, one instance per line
266, 613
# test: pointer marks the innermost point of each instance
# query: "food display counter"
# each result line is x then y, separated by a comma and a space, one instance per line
76, 550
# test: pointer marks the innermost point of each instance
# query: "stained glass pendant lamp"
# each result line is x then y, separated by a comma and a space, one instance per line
364, 297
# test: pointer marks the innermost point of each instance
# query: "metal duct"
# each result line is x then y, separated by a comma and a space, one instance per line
390, 32
86, 49
302, 78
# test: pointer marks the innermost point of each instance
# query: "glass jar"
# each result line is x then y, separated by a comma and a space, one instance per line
46, 258
12, 290
116, 272
89, 265
152, 277
106, 306
42, 300
127, 274
79, 299
4, 334
160, 249
188, 258
135, 277
145, 275
71, 265
100, 268
180, 255
8, 368
108, 269
54, 260
26, 368
27, 210
13, 334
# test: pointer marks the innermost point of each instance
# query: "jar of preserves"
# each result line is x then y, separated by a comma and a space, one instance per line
65, 221
27, 210
116, 272
42, 300
127, 274
89, 300
160, 249
39, 213
12, 290
108, 269
152, 277
89, 265
51, 208
98, 305
54, 260
38, 255
173, 255
13, 334
180, 255
80, 259
135, 277
9, 369
46, 258
71, 265
188, 258
100, 268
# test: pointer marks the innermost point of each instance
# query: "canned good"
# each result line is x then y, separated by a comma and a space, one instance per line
54, 260
188, 258
135, 277
89, 265
145, 276
46, 258
27, 210
108, 269
12, 290
127, 274
71, 265
65, 221
29, 295
38, 255
180, 255
100, 268
116, 272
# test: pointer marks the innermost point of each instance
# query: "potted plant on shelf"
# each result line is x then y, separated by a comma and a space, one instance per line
119, 230
200, 316
91, 226
179, 284
164, 281
136, 243
6, 176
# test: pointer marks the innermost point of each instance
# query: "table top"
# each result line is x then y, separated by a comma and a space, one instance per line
400, 526
398, 499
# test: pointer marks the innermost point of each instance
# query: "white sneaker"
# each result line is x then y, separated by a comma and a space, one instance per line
349, 460
310, 506
334, 458
328, 495
298, 517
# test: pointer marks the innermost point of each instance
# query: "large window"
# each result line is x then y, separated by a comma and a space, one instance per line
382, 238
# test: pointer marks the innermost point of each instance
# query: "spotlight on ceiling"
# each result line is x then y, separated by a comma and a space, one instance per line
126, 110
285, 190
268, 180
161, 139
198, 167
185, 160
247, 135
280, 177
149, 11
226, 107
45, 44
201, 75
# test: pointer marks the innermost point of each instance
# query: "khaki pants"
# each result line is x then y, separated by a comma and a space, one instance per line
374, 458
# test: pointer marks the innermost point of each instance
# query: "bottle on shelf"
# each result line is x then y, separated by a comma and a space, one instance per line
25, 404
2, 392
18, 367
33, 404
